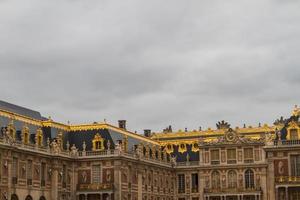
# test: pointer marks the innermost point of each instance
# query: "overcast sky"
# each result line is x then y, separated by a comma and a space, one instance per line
153, 63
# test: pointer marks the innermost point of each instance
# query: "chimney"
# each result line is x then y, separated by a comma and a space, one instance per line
147, 132
122, 124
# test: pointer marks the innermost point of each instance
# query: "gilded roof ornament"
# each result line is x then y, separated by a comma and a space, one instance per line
296, 111
223, 125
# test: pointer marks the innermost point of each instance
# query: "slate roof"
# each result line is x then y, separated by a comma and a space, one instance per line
20, 110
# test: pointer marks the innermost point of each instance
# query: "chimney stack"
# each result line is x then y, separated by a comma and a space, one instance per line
122, 124
147, 132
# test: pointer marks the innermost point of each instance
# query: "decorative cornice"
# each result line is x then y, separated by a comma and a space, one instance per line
209, 133
21, 118
74, 127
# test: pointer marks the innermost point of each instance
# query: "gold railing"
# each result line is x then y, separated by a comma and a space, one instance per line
287, 179
95, 186
232, 190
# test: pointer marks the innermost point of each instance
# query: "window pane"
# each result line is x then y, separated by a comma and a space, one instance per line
96, 173
181, 183
248, 153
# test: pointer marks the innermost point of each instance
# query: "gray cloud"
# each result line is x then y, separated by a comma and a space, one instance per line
152, 63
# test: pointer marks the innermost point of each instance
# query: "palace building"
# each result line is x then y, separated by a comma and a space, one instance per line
41, 159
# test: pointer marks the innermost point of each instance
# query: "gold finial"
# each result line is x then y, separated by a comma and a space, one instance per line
296, 111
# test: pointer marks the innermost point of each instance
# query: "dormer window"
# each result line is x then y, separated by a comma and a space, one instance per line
25, 134
39, 137
294, 134
98, 142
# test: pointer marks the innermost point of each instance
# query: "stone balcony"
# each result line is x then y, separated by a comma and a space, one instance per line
95, 187
232, 190
287, 143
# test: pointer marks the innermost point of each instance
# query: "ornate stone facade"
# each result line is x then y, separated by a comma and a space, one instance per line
42, 159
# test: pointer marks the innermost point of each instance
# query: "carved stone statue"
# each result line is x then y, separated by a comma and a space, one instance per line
108, 144
280, 167
74, 150
207, 181
8, 138
83, 146
48, 142
258, 181
269, 139
187, 157
108, 175
68, 146
296, 111
241, 180
173, 160
54, 147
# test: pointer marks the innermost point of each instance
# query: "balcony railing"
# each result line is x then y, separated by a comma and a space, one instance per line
190, 163
14, 180
287, 179
215, 162
29, 181
181, 190
287, 142
95, 187
250, 160
195, 190
231, 161
43, 183
232, 190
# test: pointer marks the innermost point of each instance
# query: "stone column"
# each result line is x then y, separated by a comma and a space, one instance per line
201, 185
140, 185
54, 182
9, 178
117, 180
271, 181
74, 180
263, 183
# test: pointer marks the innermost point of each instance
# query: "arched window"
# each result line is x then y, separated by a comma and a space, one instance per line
249, 178
215, 178
232, 179
14, 197
28, 197
42, 198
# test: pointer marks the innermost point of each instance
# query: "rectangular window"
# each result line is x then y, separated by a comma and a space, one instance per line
215, 157
96, 173
231, 156
295, 165
64, 178
43, 174
15, 170
29, 172
257, 155
248, 155
181, 183
0, 167
195, 182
